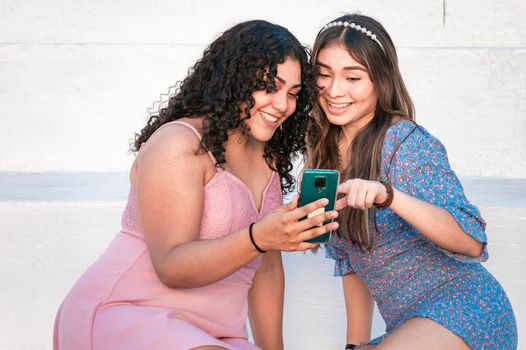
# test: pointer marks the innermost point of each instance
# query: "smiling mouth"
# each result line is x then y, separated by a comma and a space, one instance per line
339, 105
268, 117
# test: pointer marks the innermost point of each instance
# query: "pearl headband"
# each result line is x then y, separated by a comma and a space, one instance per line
354, 26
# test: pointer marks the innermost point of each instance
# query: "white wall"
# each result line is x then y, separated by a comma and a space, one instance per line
45, 247
77, 76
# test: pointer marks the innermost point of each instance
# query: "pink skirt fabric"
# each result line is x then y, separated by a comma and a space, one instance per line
120, 303
135, 327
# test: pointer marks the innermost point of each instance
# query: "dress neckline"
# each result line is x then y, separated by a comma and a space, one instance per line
220, 170
245, 186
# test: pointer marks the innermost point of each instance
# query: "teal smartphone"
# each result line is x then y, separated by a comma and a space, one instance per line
317, 184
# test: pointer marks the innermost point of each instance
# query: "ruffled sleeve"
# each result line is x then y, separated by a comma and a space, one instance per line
418, 165
335, 249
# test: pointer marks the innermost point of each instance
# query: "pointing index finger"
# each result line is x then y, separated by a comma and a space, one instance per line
344, 187
340, 203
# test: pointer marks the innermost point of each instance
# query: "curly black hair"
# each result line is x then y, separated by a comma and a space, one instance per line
242, 60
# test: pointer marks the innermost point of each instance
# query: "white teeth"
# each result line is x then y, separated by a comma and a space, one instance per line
268, 117
339, 105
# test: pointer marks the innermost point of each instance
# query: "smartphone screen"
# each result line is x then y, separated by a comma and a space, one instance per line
317, 184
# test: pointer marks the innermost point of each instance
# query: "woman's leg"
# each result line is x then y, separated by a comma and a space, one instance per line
422, 333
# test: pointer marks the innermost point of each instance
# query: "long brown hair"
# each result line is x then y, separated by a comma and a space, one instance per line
394, 102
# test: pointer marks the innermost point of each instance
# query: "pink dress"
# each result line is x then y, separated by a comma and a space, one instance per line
120, 303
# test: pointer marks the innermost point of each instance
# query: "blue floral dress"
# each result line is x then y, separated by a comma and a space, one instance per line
409, 275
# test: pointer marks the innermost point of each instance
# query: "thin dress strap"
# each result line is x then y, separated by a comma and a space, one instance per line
191, 127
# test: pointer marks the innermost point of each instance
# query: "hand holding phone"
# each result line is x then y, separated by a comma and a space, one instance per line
317, 184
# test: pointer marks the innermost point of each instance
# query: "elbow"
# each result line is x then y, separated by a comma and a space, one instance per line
163, 274
177, 282
182, 280
170, 283
174, 280
169, 280
172, 274
476, 249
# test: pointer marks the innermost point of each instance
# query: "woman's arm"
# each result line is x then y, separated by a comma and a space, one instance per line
427, 192
435, 223
170, 195
432, 221
359, 307
266, 302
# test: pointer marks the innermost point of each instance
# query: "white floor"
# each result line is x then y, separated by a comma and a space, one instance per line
44, 247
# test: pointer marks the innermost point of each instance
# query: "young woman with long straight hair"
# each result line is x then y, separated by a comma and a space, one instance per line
408, 237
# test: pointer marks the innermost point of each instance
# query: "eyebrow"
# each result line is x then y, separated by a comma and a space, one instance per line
344, 68
281, 80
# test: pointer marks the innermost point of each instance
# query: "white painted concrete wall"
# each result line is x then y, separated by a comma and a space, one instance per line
45, 247
78, 75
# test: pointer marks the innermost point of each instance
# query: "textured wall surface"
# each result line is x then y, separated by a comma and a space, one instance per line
77, 77
45, 247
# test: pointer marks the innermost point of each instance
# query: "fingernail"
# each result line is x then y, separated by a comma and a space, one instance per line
324, 201
335, 225
334, 214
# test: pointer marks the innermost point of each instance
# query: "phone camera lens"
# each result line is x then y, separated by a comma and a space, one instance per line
320, 182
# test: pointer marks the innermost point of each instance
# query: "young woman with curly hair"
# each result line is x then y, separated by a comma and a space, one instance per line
409, 238
199, 248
